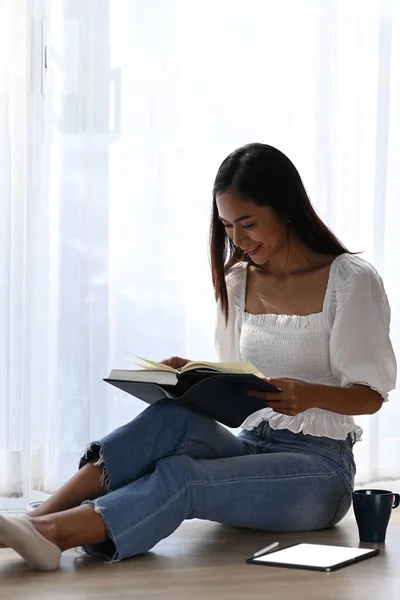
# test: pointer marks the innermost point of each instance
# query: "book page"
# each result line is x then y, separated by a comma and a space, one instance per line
151, 365
146, 375
235, 367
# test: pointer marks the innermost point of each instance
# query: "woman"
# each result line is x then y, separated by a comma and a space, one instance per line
308, 314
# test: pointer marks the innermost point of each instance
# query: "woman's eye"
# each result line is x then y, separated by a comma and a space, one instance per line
228, 226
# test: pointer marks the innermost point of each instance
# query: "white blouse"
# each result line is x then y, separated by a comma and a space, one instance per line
346, 344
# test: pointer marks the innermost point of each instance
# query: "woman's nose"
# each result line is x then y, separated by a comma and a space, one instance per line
238, 235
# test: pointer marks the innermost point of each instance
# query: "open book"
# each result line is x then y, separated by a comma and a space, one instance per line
156, 372
216, 390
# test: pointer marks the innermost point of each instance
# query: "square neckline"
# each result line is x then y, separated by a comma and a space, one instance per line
284, 316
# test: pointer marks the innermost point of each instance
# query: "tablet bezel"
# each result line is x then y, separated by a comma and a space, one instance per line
270, 562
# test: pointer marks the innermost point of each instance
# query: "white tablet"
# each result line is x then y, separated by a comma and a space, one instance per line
317, 557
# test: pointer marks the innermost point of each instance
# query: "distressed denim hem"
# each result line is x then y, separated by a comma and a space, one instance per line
107, 550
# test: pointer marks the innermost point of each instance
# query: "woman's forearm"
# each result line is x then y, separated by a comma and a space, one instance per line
355, 400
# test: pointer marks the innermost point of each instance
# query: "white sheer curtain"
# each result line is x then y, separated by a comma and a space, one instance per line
140, 104
13, 209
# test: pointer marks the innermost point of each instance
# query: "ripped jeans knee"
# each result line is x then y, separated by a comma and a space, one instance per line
94, 455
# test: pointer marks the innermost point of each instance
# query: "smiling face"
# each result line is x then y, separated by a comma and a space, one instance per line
255, 229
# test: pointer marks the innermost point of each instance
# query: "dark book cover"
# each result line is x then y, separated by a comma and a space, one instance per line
220, 396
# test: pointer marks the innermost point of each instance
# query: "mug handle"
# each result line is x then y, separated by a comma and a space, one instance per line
396, 500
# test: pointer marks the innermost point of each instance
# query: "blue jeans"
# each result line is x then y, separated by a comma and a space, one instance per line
171, 464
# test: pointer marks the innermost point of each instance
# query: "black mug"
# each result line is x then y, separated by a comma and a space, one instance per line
372, 509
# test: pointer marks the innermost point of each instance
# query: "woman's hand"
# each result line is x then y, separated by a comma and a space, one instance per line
296, 396
176, 362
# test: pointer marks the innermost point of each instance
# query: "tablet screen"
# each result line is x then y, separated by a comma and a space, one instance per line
313, 555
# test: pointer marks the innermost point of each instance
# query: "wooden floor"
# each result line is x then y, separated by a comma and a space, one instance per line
206, 560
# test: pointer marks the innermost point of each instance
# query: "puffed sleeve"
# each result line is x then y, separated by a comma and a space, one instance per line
227, 336
360, 348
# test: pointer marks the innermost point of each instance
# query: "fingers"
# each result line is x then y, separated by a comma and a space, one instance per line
180, 362
171, 362
271, 397
281, 382
176, 362
279, 403
262, 395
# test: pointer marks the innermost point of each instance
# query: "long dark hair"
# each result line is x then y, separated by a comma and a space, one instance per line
264, 175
